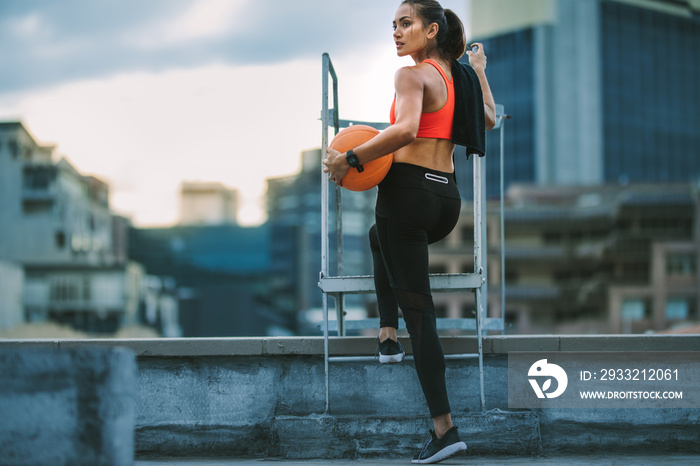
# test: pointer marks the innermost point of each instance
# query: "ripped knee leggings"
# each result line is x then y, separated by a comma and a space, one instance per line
416, 206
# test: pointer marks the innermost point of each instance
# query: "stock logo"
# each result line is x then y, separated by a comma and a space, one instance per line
544, 370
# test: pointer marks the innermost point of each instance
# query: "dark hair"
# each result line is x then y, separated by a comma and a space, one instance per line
450, 38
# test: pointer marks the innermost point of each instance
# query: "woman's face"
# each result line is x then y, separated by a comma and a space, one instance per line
409, 32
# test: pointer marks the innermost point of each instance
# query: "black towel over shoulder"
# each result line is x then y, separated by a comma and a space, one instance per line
469, 125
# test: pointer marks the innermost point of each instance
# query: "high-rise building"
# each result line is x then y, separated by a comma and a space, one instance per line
221, 275
601, 163
600, 91
294, 219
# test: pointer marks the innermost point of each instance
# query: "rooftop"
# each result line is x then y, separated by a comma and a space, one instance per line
245, 401
579, 460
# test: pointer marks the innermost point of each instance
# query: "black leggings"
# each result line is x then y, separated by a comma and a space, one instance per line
416, 206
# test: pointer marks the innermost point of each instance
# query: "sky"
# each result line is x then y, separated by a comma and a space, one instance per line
146, 94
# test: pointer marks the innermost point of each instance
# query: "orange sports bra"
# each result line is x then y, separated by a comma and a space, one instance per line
438, 124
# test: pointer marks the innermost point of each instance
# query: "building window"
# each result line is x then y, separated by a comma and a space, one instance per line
60, 239
680, 265
37, 178
64, 289
667, 226
552, 237
634, 272
86, 288
13, 147
633, 309
36, 207
677, 309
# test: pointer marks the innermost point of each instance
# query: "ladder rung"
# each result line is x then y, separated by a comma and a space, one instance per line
360, 284
489, 323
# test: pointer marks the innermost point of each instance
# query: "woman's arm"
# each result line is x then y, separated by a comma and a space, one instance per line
478, 61
409, 106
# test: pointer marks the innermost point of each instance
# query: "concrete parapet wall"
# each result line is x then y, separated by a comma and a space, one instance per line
75, 406
266, 397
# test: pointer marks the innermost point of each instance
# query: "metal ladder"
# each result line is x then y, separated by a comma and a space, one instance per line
340, 285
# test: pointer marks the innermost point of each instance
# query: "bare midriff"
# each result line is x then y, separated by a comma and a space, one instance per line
430, 153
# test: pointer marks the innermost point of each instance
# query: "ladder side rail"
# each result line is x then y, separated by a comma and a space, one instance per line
340, 257
340, 245
327, 69
324, 220
336, 110
483, 236
501, 123
479, 230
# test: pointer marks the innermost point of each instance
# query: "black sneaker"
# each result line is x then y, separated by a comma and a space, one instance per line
389, 351
438, 449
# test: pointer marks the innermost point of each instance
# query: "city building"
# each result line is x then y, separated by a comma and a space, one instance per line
590, 102
594, 121
98, 299
57, 225
294, 219
203, 203
51, 213
601, 163
605, 259
221, 273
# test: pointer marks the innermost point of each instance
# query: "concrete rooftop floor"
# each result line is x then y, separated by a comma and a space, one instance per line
598, 459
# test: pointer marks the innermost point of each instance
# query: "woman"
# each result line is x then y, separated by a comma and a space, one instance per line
418, 202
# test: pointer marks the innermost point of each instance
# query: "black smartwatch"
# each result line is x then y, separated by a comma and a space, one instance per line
353, 162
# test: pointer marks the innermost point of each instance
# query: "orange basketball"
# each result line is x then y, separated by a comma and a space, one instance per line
374, 171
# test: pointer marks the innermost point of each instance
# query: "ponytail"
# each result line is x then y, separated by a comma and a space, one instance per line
454, 44
450, 38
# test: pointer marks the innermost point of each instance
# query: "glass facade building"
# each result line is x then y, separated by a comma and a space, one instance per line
651, 95
511, 78
294, 219
606, 92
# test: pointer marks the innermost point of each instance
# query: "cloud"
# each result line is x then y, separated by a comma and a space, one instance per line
144, 133
45, 42
203, 19
146, 94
